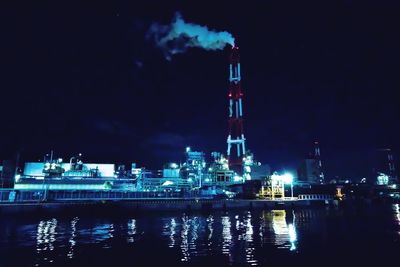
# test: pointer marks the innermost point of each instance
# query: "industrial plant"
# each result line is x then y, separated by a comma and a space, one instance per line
234, 175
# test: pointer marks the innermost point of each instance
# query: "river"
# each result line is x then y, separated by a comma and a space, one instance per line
300, 237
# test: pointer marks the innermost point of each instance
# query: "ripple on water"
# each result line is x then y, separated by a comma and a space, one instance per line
243, 238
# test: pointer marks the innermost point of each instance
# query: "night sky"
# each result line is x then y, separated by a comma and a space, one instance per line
83, 78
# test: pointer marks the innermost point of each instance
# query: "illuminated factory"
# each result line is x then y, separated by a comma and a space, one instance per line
212, 174
235, 174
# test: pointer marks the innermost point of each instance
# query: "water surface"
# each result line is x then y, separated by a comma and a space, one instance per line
235, 238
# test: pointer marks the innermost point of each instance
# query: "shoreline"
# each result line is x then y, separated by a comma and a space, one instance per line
154, 205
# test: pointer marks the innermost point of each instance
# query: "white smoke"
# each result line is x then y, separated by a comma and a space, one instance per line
180, 35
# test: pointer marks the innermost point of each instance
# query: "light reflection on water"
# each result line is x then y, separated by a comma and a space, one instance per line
170, 230
184, 235
194, 233
210, 222
72, 241
195, 236
248, 238
45, 238
396, 208
238, 237
285, 234
103, 232
226, 236
131, 231
232, 234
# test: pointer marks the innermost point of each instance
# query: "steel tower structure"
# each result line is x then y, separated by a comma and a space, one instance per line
317, 155
392, 171
390, 161
236, 140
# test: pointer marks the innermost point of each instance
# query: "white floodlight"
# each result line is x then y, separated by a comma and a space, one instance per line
287, 178
167, 183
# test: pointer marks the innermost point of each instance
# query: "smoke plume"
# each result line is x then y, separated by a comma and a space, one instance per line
179, 36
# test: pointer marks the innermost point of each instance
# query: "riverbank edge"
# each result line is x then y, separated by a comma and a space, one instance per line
153, 205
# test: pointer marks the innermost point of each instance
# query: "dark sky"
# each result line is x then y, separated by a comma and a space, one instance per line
82, 78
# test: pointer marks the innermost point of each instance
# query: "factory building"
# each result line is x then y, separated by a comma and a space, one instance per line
86, 170
196, 172
56, 175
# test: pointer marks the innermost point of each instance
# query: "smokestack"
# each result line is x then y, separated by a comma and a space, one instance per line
236, 139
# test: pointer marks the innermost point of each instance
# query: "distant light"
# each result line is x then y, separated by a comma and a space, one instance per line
382, 179
187, 149
229, 194
237, 178
167, 183
174, 165
286, 178
80, 154
60, 160
275, 176
47, 166
190, 180
207, 180
17, 178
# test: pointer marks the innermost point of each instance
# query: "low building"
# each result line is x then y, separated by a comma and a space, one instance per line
36, 169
